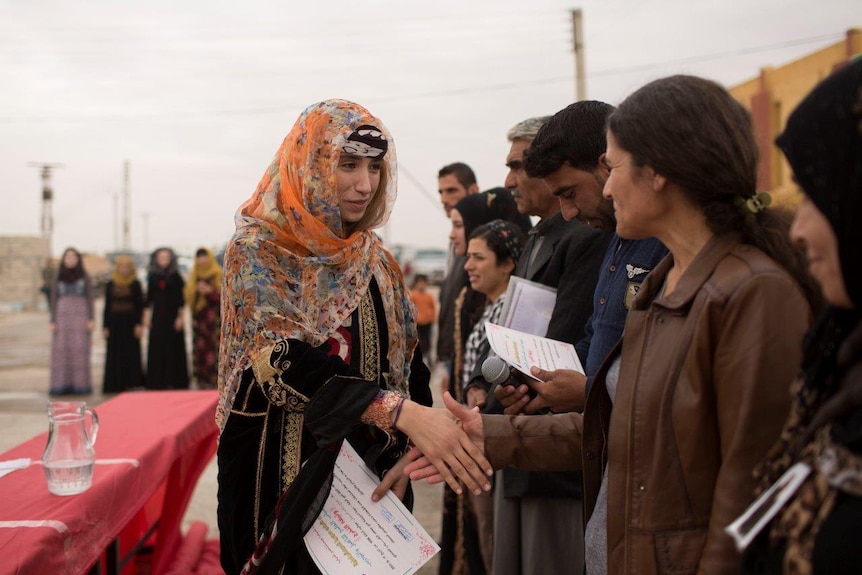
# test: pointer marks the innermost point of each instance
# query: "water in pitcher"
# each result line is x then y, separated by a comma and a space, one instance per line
69, 455
68, 477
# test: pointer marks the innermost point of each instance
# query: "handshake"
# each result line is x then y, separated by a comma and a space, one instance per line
559, 390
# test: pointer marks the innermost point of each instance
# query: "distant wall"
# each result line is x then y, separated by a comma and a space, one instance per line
22, 259
773, 95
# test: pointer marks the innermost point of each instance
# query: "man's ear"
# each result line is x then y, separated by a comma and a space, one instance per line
602, 167
473, 189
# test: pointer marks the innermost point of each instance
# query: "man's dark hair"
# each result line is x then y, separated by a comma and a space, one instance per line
575, 135
462, 172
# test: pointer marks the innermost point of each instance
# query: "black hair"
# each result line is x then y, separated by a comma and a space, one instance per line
694, 133
462, 172
505, 247
575, 135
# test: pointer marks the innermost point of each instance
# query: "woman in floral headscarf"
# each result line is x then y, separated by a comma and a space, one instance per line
203, 295
820, 528
318, 343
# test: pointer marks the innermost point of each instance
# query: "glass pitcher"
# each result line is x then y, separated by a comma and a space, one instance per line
69, 455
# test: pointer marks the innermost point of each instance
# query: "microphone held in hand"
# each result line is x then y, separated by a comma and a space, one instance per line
497, 372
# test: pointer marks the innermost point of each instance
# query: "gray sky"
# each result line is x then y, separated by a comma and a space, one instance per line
199, 94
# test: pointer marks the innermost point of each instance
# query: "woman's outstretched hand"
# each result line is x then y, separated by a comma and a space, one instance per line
394, 479
422, 466
450, 444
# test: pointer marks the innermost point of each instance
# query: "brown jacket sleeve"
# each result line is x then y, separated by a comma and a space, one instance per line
534, 442
757, 355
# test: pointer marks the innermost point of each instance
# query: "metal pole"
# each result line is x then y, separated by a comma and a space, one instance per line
116, 222
127, 209
47, 223
578, 45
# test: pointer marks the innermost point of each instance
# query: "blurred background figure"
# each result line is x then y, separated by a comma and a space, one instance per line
122, 327
455, 182
49, 271
167, 366
819, 529
426, 313
203, 295
71, 323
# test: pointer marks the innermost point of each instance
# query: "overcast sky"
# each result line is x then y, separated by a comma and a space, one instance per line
198, 94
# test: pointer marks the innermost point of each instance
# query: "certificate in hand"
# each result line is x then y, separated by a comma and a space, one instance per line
522, 350
528, 307
354, 535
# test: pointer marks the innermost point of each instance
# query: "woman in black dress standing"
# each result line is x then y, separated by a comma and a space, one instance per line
167, 365
122, 326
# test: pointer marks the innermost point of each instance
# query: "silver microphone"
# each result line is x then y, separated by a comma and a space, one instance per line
497, 372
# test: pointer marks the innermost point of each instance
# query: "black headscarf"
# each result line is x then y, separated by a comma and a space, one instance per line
494, 204
156, 271
823, 144
73, 274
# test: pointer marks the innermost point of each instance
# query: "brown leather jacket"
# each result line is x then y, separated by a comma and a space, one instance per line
703, 392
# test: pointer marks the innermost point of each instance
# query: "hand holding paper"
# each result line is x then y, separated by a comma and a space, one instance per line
560, 390
523, 351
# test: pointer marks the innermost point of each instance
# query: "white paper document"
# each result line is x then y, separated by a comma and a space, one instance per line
523, 351
764, 508
529, 306
354, 535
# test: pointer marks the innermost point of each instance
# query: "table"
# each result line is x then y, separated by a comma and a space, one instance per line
163, 439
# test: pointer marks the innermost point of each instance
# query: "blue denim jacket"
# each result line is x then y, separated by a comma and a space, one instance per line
626, 264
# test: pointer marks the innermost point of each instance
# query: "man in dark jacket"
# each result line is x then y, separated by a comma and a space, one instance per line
538, 515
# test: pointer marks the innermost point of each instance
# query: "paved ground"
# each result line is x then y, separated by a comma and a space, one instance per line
24, 376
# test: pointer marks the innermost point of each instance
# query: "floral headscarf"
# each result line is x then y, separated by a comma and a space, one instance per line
210, 271
289, 273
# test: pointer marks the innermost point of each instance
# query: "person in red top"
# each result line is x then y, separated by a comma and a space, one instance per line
426, 312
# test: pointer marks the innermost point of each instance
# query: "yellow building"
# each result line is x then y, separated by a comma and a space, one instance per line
773, 95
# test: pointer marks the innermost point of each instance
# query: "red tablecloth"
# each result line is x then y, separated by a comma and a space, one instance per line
170, 434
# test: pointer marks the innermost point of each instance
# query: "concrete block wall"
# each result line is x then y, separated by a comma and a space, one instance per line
22, 259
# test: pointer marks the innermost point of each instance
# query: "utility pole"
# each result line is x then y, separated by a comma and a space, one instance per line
146, 217
127, 210
116, 221
47, 224
578, 46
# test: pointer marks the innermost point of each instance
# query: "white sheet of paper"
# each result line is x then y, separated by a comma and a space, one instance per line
529, 306
764, 508
522, 350
354, 535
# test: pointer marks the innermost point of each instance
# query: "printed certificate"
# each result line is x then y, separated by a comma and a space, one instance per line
522, 350
354, 535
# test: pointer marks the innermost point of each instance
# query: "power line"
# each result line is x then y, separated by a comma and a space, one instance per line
432, 199
716, 56
440, 93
